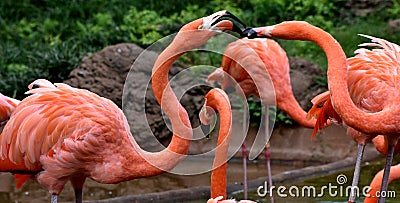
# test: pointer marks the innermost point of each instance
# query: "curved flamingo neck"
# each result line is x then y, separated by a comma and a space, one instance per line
376, 183
293, 109
337, 79
218, 100
182, 131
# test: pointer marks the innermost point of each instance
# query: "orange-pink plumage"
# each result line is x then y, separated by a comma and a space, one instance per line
247, 61
355, 92
60, 133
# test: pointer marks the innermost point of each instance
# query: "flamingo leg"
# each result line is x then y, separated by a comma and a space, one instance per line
244, 159
267, 152
356, 174
386, 172
244, 156
79, 195
77, 184
54, 198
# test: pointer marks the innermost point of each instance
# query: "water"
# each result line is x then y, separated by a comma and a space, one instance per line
33, 193
338, 182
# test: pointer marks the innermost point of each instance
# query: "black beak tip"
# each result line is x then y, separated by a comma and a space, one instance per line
206, 130
34, 86
249, 33
229, 15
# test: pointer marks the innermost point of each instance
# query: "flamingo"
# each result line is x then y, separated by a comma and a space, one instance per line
60, 134
363, 60
218, 100
375, 185
374, 86
322, 110
221, 200
7, 106
245, 54
382, 146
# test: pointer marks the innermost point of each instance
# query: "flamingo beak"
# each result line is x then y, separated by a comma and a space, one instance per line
250, 33
207, 119
206, 130
219, 21
229, 16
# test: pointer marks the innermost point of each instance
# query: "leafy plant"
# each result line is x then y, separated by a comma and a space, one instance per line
47, 39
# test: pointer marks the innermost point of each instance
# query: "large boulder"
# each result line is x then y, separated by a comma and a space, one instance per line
105, 73
303, 80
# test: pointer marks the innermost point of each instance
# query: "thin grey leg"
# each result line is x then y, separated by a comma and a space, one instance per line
386, 173
267, 152
54, 198
356, 174
244, 156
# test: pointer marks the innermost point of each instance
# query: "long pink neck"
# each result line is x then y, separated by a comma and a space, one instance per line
138, 163
376, 183
384, 122
217, 100
182, 131
293, 109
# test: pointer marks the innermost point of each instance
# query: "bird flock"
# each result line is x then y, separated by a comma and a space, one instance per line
60, 134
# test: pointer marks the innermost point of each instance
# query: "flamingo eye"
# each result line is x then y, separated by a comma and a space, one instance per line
34, 86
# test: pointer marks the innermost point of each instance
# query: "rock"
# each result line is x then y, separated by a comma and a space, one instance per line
365, 7
394, 26
122, 73
302, 79
105, 73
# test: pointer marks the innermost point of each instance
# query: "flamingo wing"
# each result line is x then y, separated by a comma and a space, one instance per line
7, 106
374, 74
42, 122
256, 61
323, 111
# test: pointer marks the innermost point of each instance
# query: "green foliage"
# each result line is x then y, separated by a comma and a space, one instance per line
144, 26
395, 9
47, 39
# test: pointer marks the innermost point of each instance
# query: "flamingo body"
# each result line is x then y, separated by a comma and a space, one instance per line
243, 56
375, 184
372, 82
7, 106
369, 114
61, 133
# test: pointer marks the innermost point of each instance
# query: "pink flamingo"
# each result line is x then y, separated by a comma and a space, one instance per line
374, 90
382, 146
7, 106
60, 134
255, 55
364, 60
218, 100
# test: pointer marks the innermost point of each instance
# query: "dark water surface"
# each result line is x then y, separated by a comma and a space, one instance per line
33, 193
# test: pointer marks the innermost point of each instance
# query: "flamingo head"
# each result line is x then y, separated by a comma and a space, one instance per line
38, 83
219, 22
208, 119
260, 32
206, 114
